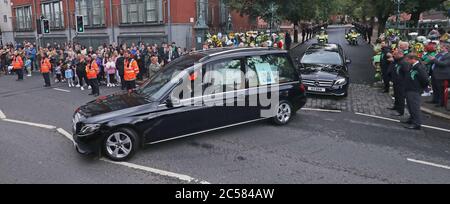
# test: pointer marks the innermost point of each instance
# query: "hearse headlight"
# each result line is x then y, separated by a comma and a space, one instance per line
89, 129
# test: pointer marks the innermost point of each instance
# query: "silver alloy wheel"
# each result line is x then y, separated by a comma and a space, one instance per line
119, 145
284, 113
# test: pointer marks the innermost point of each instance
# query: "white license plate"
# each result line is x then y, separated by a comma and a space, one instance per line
316, 89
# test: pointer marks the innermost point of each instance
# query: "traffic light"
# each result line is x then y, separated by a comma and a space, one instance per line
46, 25
80, 24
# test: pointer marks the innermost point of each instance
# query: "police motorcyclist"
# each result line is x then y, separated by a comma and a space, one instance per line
434, 34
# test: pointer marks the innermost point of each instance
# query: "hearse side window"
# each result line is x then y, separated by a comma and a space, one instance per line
162, 82
223, 76
269, 69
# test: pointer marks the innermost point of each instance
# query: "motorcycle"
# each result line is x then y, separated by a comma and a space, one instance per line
322, 39
352, 38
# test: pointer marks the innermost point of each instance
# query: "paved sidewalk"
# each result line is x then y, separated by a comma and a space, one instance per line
433, 110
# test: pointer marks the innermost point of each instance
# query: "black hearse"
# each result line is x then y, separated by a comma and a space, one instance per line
196, 93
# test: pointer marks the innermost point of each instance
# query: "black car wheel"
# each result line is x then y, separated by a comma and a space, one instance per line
120, 145
284, 113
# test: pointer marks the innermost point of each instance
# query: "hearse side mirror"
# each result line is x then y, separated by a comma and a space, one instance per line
169, 103
348, 61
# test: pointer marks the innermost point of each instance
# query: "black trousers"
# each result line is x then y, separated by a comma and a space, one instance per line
46, 78
95, 86
413, 100
399, 95
122, 82
438, 92
130, 85
19, 74
82, 78
386, 78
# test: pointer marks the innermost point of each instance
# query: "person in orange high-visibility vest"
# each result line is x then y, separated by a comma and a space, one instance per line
131, 70
17, 64
46, 67
92, 74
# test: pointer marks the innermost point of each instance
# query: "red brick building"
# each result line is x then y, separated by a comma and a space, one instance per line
123, 21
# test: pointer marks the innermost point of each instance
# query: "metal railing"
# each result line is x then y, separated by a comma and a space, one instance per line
23, 24
147, 12
94, 16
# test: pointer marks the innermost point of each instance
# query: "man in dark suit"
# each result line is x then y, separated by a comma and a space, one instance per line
303, 34
120, 64
441, 72
369, 33
385, 50
415, 82
399, 71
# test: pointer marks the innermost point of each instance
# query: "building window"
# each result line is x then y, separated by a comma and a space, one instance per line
23, 18
6, 1
5, 18
139, 11
54, 13
92, 10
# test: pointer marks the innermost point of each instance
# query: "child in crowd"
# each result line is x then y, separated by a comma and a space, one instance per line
28, 66
58, 71
111, 72
69, 76
10, 69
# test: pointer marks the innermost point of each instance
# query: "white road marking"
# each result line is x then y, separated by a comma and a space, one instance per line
157, 171
378, 117
321, 110
394, 120
31, 124
130, 165
63, 90
429, 164
2, 115
65, 134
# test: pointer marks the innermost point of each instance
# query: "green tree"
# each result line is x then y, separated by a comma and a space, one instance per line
255, 8
296, 11
417, 7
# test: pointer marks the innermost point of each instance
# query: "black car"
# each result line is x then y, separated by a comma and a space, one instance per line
196, 93
324, 69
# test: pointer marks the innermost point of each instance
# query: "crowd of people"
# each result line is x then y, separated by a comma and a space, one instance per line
416, 67
87, 67
249, 39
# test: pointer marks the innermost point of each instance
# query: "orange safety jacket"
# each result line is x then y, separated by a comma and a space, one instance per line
46, 66
17, 62
92, 70
131, 70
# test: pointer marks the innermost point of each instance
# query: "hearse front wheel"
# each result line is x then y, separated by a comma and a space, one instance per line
121, 144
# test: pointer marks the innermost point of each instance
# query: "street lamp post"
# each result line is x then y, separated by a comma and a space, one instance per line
272, 12
229, 23
398, 2
200, 25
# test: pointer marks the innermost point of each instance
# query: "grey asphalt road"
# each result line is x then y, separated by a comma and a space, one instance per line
33, 155
316, 147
